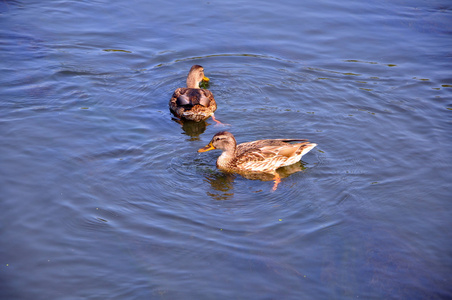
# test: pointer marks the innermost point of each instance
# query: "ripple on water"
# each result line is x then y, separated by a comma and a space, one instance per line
204, 183
249, 101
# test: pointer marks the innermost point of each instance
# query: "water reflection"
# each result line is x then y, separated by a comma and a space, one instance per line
195, 129
191, 128
283, 172
223, 183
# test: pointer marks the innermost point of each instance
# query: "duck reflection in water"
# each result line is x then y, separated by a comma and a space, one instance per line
258, 159
191, 128
223, 183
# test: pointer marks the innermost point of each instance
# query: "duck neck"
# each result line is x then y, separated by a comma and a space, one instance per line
192, 83
224, 161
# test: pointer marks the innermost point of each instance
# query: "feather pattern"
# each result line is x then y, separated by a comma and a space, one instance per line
260, 155
193, 103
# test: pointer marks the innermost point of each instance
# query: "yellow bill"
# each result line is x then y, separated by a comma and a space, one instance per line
207, 148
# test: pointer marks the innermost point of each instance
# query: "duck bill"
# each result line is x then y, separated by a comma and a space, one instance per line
206, 79
207, 148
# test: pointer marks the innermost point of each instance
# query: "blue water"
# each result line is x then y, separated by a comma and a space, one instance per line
103, 193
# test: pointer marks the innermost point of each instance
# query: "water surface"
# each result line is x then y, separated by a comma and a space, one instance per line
105, 197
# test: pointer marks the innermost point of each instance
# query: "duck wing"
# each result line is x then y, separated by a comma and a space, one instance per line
192, 97
268, 155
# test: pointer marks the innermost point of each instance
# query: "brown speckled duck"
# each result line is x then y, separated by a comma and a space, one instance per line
193, 103
257, 156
